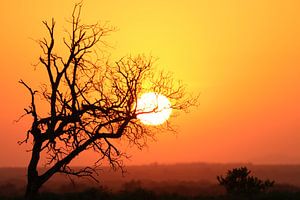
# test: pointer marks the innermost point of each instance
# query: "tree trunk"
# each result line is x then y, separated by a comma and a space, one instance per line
33, 180
32, 188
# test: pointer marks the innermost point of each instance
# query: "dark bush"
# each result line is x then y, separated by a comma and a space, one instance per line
239, 182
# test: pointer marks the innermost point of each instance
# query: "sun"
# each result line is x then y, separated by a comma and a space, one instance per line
153, 108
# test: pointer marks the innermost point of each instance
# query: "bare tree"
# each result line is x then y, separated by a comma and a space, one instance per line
90, 102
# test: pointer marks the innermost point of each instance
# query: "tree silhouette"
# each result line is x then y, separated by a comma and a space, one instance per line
90, 102
239, 182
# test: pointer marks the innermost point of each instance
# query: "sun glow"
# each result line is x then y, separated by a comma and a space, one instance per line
153, 109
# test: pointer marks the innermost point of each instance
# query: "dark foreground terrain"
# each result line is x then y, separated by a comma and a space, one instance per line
180, 181
144, 194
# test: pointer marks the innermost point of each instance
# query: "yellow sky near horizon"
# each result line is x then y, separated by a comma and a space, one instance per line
242, 56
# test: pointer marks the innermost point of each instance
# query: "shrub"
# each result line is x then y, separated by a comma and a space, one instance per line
239, 182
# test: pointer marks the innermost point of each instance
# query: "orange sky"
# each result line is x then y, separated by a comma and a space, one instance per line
243, 56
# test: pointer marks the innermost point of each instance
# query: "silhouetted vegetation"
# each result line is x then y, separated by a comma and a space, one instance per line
238, 182
91, 102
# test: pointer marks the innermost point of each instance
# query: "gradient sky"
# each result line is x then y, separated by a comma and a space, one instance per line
242, 56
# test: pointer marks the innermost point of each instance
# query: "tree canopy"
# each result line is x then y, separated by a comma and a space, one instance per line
91, 101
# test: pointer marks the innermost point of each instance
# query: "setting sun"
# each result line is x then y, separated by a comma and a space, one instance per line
153, 109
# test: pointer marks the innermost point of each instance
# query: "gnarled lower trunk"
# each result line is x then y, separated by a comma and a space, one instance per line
32, 188
33, 180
